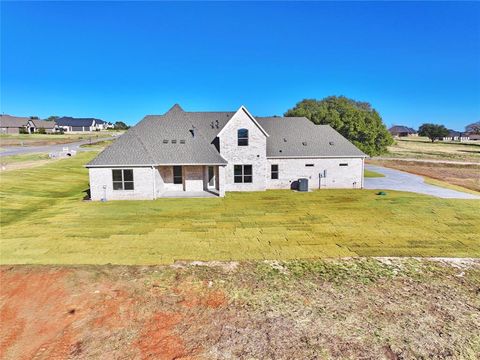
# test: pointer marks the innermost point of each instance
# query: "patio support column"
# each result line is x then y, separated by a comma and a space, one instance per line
221, 181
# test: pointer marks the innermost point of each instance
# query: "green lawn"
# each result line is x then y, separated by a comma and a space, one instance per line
44, 220
12, 159
372, 174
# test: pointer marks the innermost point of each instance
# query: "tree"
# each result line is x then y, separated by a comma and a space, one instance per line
120, 125
433, 131
355, 120
42, 130
473, 128
52, 118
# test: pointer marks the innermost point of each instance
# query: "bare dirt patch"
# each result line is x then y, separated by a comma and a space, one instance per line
351, 308
467, 176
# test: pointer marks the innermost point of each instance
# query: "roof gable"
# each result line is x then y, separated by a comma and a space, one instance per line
244, 110
42, 124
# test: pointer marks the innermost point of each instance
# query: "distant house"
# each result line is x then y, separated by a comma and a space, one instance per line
103, 125
13, 124
34, 126
455, 136
402, 131
69, 124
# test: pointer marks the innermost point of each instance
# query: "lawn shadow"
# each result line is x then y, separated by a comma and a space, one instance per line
87, 194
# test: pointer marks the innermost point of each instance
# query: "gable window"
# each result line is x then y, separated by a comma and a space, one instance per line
274, 172
242, 135
177, 175
343, 164
122, 179
242, 173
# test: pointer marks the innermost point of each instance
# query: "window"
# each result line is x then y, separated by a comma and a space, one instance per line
177, 175
309, 165
343, 164
274, 172
242, 173
122, 179
242, 135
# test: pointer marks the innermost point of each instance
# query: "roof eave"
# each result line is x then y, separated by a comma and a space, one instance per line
150, 165
316, 156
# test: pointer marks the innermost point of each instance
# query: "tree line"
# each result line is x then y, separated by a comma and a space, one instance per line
360, 123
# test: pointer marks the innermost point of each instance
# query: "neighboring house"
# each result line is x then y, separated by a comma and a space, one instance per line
474, 137
194, 152
34, 125
69, 124
455, 136
13, 124
402, 131
103, 125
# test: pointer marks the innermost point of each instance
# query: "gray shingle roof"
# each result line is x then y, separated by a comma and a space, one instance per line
298, 136
162, 140
43, 124
150, 141
70, 121
8, 121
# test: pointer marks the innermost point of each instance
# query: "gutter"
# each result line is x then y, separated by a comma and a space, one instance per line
153, 165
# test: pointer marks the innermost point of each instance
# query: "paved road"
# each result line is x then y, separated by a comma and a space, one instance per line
18, 150
402, 181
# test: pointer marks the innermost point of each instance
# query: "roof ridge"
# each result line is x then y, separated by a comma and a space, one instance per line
134, 132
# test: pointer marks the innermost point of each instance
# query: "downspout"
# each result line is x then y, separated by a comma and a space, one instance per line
363, 171
154, 188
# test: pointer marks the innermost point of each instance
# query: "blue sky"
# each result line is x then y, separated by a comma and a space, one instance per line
414, 62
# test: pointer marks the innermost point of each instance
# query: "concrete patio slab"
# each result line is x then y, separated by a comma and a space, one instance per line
188, 194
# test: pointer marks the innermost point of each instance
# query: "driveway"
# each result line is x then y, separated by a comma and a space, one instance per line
18, 150
402, 181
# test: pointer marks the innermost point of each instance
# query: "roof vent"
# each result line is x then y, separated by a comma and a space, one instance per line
331, 143
279, 150
182, 141
211, 125
174, 141
284, 139
304, 143
192, 131
165, 141
216, 124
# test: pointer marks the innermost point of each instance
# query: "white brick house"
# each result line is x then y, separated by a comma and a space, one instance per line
194, 153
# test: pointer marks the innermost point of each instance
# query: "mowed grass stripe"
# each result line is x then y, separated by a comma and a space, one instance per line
45, 221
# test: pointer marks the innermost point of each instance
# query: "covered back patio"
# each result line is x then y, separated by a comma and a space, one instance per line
189, 180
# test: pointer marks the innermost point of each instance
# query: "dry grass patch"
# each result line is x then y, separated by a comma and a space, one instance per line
48, 139
423, 148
